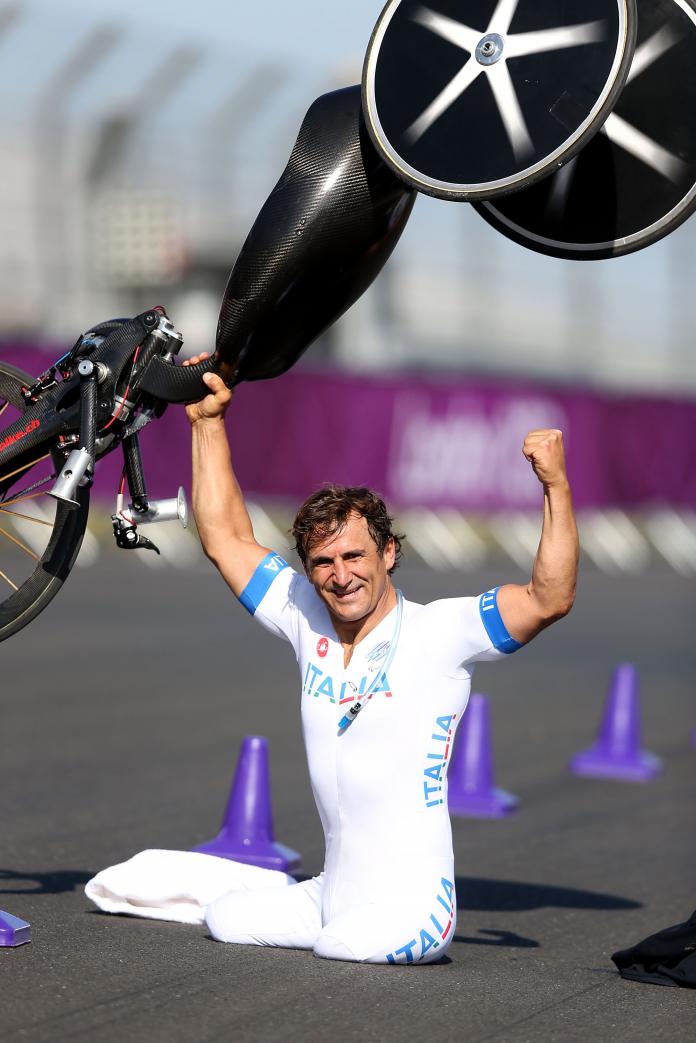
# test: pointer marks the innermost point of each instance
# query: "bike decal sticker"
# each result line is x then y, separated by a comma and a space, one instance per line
19, 435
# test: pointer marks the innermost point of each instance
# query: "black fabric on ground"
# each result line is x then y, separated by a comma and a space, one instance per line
665, 958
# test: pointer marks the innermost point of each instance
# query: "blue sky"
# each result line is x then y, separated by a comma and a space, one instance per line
305, 31
317, 46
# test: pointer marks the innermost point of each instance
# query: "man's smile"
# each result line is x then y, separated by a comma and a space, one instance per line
346, 594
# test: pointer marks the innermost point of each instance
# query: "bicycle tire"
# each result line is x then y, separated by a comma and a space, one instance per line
514, 111
11, 381
57, 560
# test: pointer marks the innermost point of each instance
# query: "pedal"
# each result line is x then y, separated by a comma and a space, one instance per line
175, 509
127, 519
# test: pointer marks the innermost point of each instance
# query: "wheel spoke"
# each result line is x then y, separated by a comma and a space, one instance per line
22, 498
509, 108
643, 148
560, 184
18, 543
502, 17
454, 32
662, 41
8, 580
27, 517
555, 39
26, 467
452, 92
39, 540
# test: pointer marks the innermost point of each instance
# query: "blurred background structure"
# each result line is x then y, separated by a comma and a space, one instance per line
139, 142
137, 150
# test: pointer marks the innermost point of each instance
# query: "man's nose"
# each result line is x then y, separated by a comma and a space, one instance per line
341, 573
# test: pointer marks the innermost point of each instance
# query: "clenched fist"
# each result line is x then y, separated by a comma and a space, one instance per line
544, 450
213, 406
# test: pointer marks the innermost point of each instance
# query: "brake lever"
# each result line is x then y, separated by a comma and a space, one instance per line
128, 537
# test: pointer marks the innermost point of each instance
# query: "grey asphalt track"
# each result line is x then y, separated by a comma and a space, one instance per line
121, 713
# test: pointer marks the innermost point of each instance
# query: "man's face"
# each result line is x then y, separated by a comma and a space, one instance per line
348, 572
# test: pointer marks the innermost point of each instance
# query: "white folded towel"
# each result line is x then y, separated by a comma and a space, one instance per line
175, 885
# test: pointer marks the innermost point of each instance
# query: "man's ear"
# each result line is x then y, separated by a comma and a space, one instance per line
390, 553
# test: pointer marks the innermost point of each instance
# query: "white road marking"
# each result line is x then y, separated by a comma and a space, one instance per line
614, 542
675, 538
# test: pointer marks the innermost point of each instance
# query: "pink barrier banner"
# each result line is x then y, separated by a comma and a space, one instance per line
444, 441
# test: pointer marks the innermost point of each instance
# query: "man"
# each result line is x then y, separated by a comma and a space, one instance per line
385, 683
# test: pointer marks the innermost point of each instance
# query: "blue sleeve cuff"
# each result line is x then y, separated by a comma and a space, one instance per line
260, 583
493, 622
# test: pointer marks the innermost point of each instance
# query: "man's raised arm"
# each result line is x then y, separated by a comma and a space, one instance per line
224, 525
551, 591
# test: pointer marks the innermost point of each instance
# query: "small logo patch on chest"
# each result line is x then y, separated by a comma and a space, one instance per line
379, 653
322, 647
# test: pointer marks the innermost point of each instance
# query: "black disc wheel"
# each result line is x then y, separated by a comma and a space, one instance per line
472, 99
39, 538
636, 180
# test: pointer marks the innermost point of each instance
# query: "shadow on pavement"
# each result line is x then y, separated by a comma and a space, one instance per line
59, 882
498, 896
505, 938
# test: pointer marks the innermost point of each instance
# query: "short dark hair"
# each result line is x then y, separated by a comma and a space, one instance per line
327, 511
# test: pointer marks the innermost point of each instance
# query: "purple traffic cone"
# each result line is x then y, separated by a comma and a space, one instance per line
470, 790
13, 931
247, 829
617, 754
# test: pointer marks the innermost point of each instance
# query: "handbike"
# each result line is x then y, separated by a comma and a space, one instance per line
318, 242
90, 401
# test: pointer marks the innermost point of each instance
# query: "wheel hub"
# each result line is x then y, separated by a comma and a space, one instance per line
490, 49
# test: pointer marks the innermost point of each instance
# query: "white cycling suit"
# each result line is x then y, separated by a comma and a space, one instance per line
387, 892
